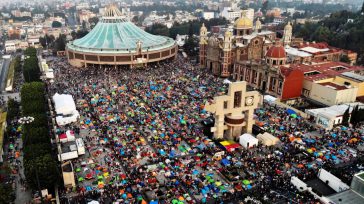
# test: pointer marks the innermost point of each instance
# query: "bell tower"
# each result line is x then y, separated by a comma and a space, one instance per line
226, 58
203, 45
287, 35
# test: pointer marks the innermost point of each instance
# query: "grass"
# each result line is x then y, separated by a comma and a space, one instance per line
361, 175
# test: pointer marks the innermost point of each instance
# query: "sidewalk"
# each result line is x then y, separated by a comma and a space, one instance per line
22, 197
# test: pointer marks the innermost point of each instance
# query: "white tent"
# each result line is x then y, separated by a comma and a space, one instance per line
64, 104
227, 81
269, 98
70, 136
267, 139
66, 120
248, 140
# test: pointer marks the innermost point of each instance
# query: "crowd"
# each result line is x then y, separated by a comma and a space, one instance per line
145, 140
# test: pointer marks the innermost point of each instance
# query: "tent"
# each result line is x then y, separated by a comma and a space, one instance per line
267, 139
225, 162
70, 135
63, 138
248, 140
290, 111
269, 98
64, 104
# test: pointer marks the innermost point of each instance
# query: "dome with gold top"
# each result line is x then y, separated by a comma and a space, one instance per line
243, 22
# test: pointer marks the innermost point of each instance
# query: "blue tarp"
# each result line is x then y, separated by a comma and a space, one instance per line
290, 111
225, 162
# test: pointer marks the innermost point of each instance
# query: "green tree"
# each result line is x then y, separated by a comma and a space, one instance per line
346, 117
354, 116
190, 46
6, 192
56, 24
60, 43
93, 21
42, 169
322, 34
12, 109
158, 29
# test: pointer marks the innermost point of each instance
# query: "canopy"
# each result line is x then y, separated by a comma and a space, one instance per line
64, 104
267, 139
290, 111
248, 140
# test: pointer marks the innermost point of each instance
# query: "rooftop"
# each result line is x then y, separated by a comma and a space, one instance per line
316, 72
347, 197
354, 76
333, 86
115, 34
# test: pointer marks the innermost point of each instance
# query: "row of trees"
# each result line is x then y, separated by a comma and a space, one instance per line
357, 116
31, 71
49, 41
40, 167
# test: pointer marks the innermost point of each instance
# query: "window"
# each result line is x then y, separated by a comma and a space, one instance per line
237, 99
225, 104
274, 62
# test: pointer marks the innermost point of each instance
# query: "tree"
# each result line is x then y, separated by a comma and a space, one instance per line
346, 117
322, 34
84, 26
93, 21
56, 24
190, 47
158, 29
42, 169
354, 115
60, 43
6, 192
47, 40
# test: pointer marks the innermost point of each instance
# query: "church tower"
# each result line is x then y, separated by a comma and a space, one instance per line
226, 59
287, 35
203, 45
258, 26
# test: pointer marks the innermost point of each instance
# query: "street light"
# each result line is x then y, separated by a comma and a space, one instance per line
26, 120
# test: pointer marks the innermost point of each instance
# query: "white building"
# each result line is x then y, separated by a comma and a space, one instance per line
330, 116
249, 13
208, 15
230, 14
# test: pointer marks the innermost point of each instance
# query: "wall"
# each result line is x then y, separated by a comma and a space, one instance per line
334, 182
292, 86
323, 94
360, 85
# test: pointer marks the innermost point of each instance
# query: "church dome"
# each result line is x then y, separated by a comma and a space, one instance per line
243, 22
276, 52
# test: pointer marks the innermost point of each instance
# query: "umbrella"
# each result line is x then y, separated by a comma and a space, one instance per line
291, 112
246, 182
78, 169
81, 179
181, 198
249, 186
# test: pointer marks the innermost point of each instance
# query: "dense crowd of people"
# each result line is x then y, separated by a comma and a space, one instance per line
145, 140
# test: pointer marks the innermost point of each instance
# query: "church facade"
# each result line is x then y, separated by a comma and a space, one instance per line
249, 53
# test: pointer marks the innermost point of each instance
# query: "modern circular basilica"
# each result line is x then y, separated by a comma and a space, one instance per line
117, 41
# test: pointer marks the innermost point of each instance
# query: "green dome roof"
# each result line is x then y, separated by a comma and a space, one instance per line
114, 34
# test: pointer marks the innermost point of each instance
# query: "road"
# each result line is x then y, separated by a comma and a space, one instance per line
3, 73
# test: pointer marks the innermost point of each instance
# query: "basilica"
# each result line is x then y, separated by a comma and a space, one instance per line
249, 53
